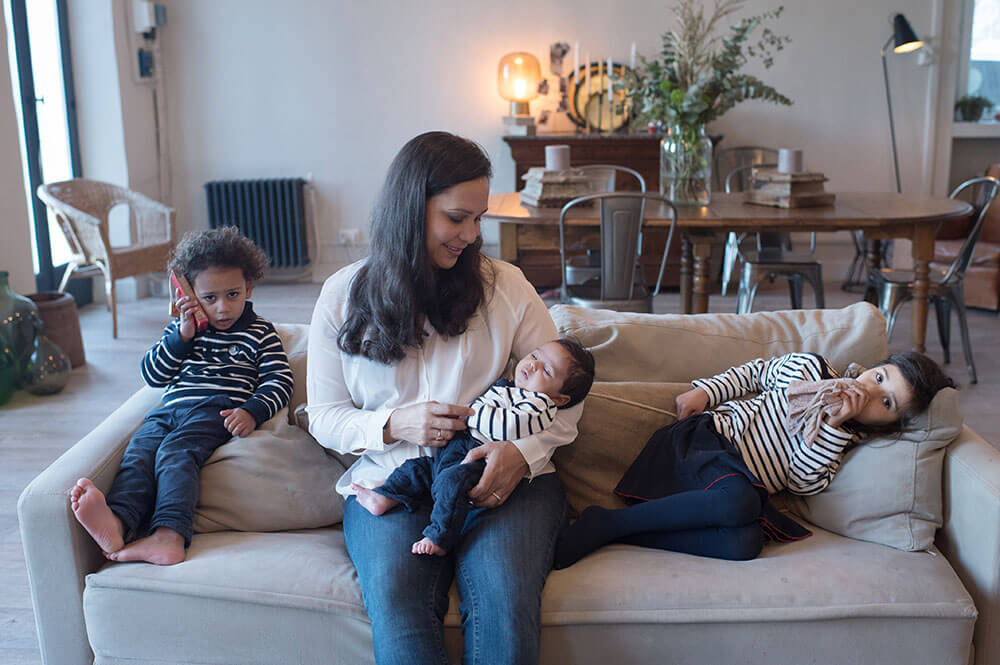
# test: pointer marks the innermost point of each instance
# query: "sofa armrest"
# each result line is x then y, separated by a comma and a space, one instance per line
58, 552
970, 535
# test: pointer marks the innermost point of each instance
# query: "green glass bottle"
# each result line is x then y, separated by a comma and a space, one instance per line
19, 323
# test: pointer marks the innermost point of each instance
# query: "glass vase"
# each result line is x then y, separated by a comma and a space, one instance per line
686, 165
48, 368
9, 374
19, 323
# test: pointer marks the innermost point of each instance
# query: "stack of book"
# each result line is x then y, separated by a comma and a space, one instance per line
788, 190
553, 189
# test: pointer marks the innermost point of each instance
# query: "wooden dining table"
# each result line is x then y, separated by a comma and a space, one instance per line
880, 215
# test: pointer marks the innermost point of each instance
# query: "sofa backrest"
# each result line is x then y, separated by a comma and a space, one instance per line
295, 339
677, 347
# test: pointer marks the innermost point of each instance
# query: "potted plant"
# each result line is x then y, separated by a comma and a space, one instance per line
695, 80
970, 108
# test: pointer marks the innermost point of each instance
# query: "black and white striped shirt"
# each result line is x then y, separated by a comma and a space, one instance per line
246, 362
506, 412
756, 426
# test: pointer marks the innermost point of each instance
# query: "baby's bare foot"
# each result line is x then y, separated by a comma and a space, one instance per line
427, 546
93, 513
372, 501
164, 547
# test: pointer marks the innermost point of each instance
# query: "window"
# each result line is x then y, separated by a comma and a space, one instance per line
984, 51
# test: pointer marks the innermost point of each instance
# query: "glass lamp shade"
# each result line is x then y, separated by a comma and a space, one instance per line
904, 40
518, 76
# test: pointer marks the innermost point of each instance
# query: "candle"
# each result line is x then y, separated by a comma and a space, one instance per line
576, 63
587, 65
631, 57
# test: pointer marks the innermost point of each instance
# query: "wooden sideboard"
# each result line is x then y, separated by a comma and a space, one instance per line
636, 151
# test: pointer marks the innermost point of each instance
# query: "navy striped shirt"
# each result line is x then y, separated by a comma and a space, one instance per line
756, 426
246, 362
506, 413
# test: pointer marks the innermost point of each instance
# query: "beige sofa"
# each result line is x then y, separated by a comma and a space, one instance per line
293, 597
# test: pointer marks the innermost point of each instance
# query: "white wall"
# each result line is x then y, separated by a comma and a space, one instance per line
15, 248
261, 88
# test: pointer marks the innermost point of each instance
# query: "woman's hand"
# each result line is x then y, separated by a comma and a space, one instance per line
187, 307
505, 466
854, 403
690, 403
427, 423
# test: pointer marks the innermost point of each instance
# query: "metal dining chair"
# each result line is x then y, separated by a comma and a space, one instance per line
773, 258
601, 178
889, 289
619, 285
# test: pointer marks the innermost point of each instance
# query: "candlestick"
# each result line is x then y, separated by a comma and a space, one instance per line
610, 79
631, 57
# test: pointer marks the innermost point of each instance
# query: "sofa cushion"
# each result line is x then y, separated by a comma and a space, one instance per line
674, 347
888, 489
617, 421
276, 478
254, 598
295, 339
986, 254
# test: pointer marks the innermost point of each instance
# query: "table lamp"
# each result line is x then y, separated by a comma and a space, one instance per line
518, 76
904, 40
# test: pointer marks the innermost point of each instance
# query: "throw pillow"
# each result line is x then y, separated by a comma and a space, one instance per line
276, 479
618, 419
888, 489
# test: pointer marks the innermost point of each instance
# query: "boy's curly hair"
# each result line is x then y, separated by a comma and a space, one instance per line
224, 247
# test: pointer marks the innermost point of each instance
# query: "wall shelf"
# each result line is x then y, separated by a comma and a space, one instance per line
975, 130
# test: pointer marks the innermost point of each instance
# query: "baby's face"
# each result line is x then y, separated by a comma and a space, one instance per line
545, 370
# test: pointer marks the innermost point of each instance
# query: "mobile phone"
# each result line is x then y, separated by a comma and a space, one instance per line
181, 284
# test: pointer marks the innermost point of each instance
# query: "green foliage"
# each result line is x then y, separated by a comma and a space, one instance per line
971, 107
697, 76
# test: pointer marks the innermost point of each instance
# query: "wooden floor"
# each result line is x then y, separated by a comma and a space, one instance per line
36, 430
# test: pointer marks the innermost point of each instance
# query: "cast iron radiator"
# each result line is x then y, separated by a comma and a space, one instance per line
270, 212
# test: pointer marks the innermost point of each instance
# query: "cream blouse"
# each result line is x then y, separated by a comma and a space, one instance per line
350, 397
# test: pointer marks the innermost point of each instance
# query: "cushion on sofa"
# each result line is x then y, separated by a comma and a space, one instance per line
277, 478
662, 347
888, 489
617, 421
295, 339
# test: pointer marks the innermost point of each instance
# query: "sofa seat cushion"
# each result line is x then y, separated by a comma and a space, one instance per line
986, 254
302, 589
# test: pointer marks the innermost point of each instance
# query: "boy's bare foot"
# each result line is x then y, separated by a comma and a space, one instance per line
427, 546
163, 547
93, 513
372, 501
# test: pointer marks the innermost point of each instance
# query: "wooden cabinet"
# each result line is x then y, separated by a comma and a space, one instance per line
637, 151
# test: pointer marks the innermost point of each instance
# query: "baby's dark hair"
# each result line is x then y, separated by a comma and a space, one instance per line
925, 377
581, 370
224, 247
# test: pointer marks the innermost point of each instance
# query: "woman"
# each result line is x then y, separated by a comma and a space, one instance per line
400, 343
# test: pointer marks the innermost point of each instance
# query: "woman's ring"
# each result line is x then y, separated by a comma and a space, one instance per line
440, 435
499, 498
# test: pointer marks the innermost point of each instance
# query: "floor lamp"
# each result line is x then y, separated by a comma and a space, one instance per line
903, 40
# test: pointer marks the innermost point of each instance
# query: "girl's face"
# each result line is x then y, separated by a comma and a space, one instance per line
453, 220
889, 396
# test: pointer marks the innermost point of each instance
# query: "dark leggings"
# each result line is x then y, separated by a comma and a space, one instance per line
718, 522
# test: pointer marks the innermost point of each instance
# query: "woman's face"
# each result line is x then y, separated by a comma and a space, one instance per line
453, 220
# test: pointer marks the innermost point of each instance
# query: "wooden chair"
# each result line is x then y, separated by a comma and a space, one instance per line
889, 289
619, 284
82, 208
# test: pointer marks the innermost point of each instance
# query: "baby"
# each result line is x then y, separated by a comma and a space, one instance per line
220, 382
556, 375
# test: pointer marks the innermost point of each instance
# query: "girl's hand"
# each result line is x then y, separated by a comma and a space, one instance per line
187, 307
505, 467
854, 403
238, 421
691, 403
427, 423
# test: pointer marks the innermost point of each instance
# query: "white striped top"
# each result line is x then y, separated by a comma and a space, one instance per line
246, 362
756, 426
506, 413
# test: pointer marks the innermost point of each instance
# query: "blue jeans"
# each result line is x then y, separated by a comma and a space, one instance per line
158, 481
500, 566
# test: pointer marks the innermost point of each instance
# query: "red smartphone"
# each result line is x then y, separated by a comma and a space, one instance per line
181, 284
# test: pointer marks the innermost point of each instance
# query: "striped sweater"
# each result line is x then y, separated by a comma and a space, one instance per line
756, 426
246, 362
506, 412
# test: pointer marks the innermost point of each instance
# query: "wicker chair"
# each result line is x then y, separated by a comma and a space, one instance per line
82, 208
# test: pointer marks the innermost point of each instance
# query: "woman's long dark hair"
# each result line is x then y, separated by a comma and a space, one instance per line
398, 287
